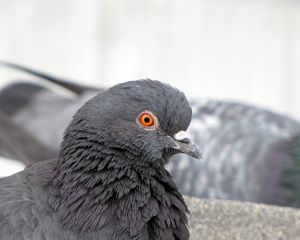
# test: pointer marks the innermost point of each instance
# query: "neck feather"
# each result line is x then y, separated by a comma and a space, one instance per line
94, 187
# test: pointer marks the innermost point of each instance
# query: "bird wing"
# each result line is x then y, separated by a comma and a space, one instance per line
17, 216
32, 107
17, 143
65, 83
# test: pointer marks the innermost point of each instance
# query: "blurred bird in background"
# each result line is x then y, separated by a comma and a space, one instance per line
250, 153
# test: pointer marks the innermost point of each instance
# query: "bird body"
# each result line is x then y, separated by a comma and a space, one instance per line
28, 200
246, 154
109, 181
251, 153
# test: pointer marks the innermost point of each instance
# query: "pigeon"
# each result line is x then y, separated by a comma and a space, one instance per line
247, 152
33, 106
109, 180
22, 100
246, 148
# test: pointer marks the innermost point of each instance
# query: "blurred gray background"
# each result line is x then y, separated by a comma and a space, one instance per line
241, 50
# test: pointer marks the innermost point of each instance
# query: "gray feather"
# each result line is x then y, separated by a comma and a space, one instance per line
109, 180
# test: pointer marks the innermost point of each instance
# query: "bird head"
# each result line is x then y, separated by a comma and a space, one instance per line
142, 119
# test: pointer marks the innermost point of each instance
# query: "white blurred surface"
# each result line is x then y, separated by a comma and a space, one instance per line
244, 50
9, 167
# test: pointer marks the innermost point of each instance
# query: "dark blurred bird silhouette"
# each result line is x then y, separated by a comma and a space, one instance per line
250, 153
109, 181
17, 143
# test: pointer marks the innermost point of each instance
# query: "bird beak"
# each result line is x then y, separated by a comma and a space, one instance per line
184, 144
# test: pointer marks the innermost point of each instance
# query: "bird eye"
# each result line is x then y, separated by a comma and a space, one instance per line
147, 119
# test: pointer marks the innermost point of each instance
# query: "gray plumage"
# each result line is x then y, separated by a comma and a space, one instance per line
17, 143
23, 101
245, 154
246, 149
109, 181
238, 142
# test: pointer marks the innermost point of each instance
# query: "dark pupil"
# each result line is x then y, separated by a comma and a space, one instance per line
147, 120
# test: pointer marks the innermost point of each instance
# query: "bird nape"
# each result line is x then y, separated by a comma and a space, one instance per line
109, 181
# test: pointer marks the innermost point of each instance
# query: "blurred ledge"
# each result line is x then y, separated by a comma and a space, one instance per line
230, 220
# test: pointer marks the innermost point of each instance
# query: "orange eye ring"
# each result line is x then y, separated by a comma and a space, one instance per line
146, 119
